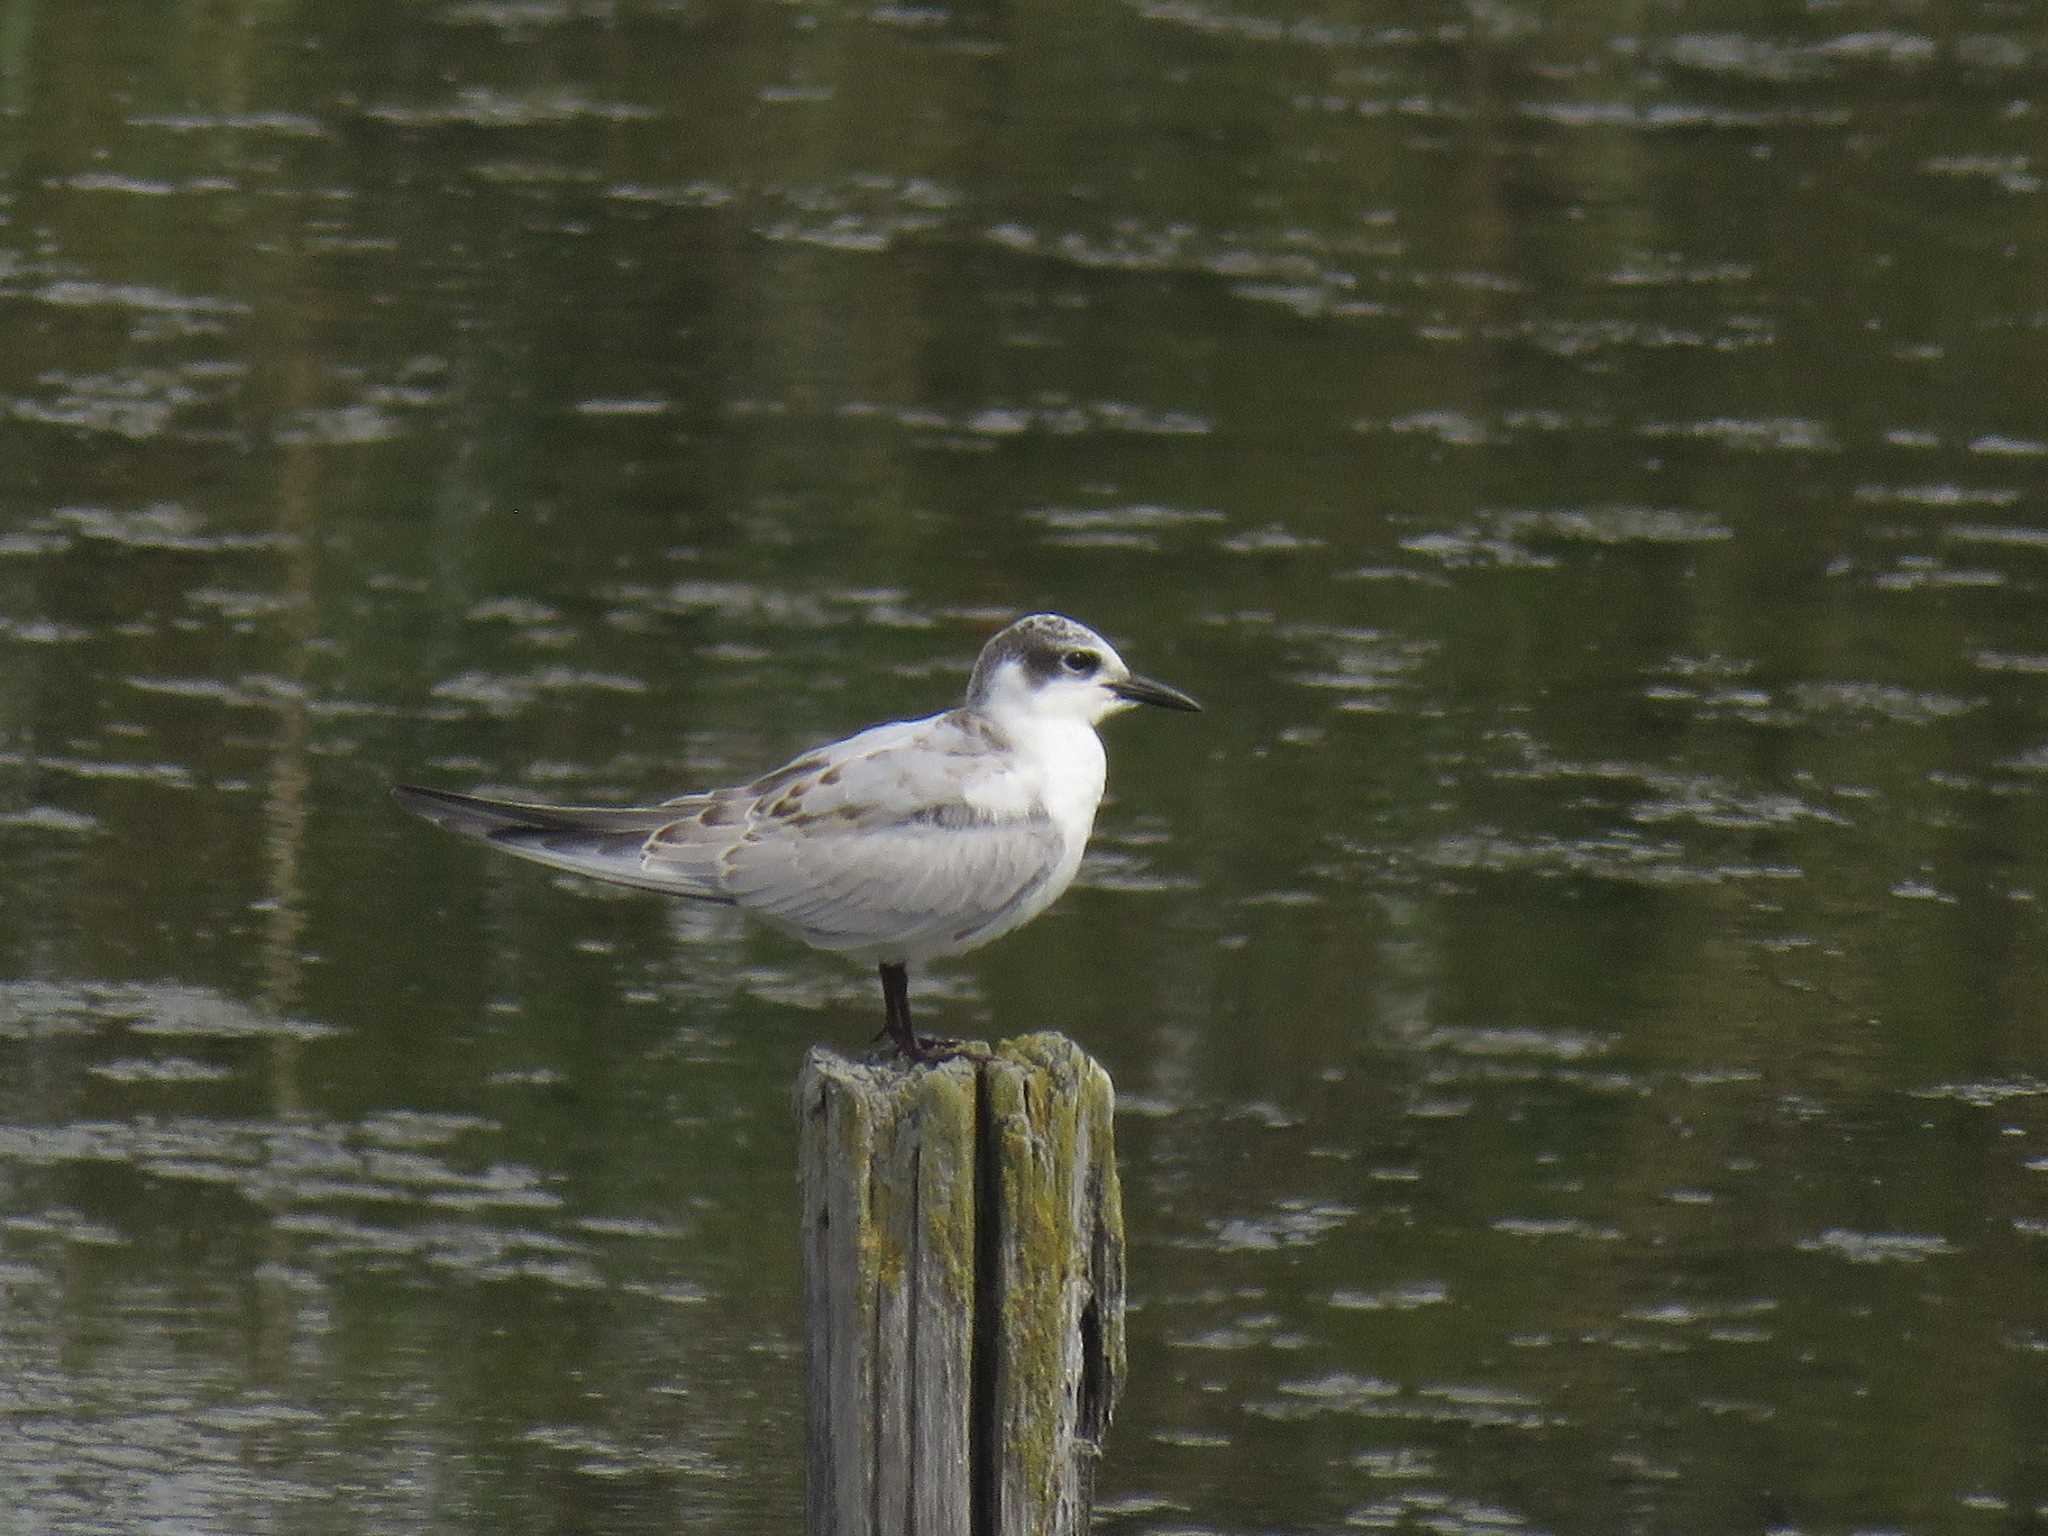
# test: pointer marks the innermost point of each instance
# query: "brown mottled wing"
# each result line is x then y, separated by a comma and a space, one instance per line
905, 840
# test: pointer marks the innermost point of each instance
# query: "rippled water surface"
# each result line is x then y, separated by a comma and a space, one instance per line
1576, 996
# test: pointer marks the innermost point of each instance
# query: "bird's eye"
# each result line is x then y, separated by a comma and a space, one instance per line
1080, 663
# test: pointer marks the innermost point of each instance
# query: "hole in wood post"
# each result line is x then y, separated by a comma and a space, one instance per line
1091, 1412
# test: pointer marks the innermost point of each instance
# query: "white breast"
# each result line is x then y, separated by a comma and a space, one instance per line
1057, 770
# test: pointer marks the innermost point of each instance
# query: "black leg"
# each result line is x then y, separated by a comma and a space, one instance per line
896, 1006
896, 1009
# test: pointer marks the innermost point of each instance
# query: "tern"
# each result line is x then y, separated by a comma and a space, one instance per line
904, 843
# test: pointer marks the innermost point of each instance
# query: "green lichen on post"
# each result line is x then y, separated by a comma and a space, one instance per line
1062, 1255
945, 1114
1082, 1114
964, 1283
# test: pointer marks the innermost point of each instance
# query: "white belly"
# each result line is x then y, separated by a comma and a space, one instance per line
1060, 775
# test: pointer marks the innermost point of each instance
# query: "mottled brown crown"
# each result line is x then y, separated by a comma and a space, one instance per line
1035, 642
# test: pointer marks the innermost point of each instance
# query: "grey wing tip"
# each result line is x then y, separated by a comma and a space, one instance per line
445, 808
417, 797
482, 817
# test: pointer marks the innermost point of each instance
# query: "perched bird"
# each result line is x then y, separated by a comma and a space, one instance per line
907, 842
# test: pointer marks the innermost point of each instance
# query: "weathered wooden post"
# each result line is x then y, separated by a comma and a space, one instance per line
963, 1267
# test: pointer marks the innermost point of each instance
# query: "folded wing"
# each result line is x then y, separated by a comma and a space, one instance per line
903, 842
909, 840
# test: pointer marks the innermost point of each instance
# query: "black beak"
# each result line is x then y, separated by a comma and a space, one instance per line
1142, 690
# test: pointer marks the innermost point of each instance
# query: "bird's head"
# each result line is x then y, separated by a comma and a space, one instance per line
1048, 666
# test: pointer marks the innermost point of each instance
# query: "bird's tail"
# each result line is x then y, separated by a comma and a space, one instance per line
601, 842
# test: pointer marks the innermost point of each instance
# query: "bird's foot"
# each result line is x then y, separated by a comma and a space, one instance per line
926, 1050
923, 1050
910, 1045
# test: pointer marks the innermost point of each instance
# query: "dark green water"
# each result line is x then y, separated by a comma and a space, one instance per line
1577, 996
